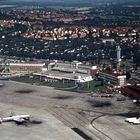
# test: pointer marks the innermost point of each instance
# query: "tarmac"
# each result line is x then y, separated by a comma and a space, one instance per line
63, 112
116, 128
49, 129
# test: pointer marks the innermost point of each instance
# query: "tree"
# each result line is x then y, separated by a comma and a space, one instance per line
128, 75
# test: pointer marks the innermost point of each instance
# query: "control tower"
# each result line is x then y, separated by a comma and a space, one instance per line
118, 57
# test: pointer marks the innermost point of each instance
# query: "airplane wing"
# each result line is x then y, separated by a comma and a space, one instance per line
18, 120
13, 114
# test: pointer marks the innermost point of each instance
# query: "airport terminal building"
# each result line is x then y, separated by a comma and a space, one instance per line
74, 71
26, 67
113, 78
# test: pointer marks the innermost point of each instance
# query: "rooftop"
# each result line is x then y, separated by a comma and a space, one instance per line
132, 90
65, 75
113, 73
26, 64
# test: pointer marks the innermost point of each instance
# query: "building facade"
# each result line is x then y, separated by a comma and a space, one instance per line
132, 91
25, 67
115, 79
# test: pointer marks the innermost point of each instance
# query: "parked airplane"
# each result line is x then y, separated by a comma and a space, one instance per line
133, 120
15, 118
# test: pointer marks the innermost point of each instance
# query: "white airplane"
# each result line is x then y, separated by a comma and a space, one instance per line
136, 122
15, 118
133, 120
130, 120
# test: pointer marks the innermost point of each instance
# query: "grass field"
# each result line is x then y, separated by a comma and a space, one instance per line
88, 86
27, 79
92, 86
60, 84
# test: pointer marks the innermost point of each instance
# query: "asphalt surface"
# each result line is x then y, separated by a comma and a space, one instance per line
63, 111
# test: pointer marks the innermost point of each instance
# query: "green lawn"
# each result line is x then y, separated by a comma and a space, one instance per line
26, 79
60, 84
36, 80
92, 86
89, 86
